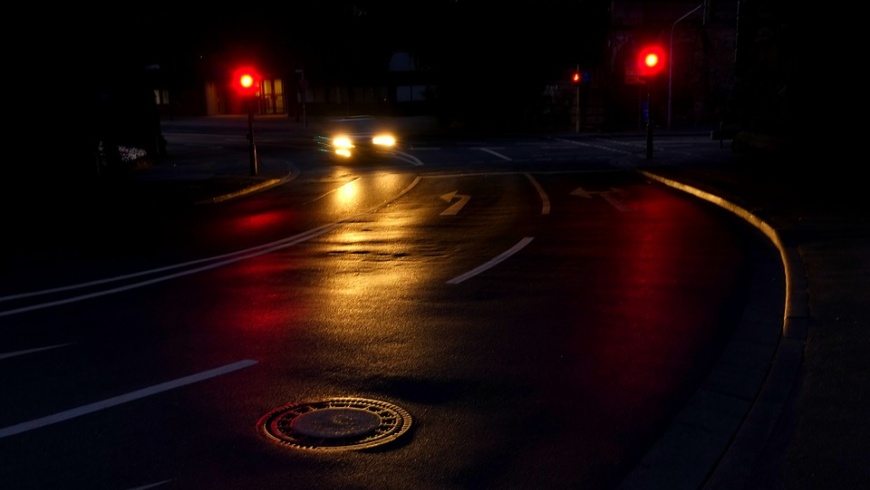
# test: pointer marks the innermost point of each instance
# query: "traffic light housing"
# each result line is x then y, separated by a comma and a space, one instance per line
651, 60
246, 80
580, 76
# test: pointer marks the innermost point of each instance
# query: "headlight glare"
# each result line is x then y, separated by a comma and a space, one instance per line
384, 140
342, 142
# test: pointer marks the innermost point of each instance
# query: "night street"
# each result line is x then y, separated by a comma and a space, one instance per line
436, 245
535, 311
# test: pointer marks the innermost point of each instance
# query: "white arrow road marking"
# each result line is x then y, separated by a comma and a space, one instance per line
463, 200
30, 351
111, 402
495, 153
545, 200
581, 192
605, 195
492, 263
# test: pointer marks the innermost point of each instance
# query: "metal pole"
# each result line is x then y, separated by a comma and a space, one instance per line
649, 118
301, 88
304, 82
670, 59
577, 124
252, 147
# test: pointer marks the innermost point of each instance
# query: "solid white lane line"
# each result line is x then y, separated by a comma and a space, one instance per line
600, 147
111, 402
331, 192
495, 153
30, 351
230, 258
238, 255
492, 263
152, 485
277, 246
407, 157
234, 256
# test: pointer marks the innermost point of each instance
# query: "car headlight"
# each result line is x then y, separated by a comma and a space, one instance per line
342, 145
342, 142
384, 140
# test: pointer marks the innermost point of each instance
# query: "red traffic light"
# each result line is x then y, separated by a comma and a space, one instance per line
651, 60
576, 77
246, 80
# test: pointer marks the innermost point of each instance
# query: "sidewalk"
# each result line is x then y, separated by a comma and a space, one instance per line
809, 427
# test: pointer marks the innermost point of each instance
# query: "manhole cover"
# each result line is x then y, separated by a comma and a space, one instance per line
337, 424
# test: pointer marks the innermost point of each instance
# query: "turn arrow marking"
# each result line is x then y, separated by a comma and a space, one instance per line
605, 195
455, 207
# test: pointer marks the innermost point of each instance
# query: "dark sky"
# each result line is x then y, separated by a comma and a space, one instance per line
472, 41
510, 35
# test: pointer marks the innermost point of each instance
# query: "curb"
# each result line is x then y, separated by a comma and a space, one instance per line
720, 436
244, 191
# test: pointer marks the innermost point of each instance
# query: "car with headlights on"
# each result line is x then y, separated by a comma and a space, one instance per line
353, 137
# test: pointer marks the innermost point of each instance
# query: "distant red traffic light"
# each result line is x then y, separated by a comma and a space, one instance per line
651, 60
576, 77
246, 80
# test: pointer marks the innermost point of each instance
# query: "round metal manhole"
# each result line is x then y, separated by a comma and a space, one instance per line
337, 424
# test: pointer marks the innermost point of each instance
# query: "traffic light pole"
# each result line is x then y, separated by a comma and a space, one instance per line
650, 62
649, 125
577, 96
252, 146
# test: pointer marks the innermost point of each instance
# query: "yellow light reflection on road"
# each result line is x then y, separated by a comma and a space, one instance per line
375, 265
348, 194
